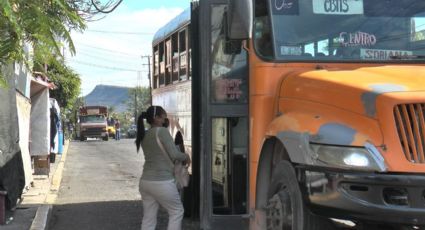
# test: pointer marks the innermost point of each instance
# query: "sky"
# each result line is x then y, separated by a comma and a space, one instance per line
110, 50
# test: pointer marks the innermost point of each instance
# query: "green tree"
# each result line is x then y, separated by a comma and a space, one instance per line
68, 84
139, 96
73, 116
111, 109
46, 24
124, 119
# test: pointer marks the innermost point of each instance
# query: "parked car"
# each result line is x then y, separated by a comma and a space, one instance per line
132, 131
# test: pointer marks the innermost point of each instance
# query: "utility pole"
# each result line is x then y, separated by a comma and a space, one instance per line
135, 106
149, 76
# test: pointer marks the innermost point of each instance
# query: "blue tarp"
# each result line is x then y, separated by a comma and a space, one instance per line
60, 151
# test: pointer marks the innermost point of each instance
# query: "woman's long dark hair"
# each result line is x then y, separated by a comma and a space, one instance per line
149, 115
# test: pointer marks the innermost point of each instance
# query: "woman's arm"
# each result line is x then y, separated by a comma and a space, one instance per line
168, 143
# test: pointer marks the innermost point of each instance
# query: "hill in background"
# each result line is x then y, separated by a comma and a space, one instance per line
107, 95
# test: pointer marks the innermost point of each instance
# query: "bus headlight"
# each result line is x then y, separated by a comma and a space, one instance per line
365, 158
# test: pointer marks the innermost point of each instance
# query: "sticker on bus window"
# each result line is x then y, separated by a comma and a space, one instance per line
290, 50
338, 7
356, 39
285, 7
376, 54
228, 89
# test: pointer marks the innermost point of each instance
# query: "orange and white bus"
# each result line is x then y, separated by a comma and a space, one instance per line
298, 113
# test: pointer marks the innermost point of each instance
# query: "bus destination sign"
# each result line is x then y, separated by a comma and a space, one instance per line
341, 7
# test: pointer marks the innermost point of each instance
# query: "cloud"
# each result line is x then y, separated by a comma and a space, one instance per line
106, 55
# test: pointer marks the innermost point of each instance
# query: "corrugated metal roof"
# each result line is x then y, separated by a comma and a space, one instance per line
171, 26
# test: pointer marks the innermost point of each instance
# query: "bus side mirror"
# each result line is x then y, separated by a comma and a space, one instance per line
239, 18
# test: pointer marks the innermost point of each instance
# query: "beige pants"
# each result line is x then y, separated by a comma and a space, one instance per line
164, 193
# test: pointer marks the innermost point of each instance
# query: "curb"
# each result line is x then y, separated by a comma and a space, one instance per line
41, 218
56, 178
43, 213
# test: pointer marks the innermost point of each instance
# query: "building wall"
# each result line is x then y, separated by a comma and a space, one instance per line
24, 113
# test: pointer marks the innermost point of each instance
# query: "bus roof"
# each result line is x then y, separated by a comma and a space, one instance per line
172, 26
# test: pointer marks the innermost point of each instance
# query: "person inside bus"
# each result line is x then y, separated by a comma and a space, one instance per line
157, 184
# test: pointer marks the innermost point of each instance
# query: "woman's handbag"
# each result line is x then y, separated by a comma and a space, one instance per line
181, 172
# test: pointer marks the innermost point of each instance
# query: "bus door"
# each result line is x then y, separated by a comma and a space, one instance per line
221, 92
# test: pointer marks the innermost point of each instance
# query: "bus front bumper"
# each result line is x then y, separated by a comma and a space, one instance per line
94, 134
389, 198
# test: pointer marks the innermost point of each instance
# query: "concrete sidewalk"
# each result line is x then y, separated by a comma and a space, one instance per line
34, 210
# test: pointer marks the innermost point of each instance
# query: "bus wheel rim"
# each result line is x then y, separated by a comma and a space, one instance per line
279, 211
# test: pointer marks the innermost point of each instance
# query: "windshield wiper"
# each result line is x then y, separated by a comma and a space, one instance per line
406, 57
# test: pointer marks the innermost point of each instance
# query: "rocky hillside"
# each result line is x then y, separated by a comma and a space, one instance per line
107, 95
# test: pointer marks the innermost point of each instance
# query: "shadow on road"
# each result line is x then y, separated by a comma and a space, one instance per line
108, 215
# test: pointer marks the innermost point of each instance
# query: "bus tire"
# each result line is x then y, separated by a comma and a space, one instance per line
82, 138
285, 207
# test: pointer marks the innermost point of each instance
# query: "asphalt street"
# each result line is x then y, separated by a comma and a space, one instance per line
99, 188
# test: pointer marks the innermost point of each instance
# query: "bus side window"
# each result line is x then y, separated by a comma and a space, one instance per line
264, 45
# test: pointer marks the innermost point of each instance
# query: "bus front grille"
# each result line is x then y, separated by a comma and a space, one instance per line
410, 123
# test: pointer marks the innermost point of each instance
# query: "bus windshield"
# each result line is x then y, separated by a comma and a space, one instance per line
351, 30
92, 119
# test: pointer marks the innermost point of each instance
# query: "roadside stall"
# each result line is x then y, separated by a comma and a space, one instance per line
40, 124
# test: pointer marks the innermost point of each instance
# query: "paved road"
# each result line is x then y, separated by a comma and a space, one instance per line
99, 188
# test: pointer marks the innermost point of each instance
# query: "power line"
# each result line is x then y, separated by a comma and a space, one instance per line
120, 38
106, 81
124, 61
119, 32
133, 61
109, 50
104, 54
107, 67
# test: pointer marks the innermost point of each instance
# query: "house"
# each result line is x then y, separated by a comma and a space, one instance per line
24, 132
